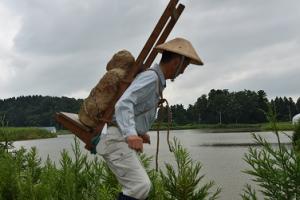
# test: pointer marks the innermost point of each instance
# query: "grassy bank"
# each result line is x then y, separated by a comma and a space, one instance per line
282, 126
216, 128
23, 133
63, 132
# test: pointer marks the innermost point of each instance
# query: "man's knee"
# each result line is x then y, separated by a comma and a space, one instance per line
140, 189
145, 188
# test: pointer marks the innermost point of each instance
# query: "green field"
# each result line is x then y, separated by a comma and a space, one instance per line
23, 133
217, 128
214, 128
63, 132
29, 133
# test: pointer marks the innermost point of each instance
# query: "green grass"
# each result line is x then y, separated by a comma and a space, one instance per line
275, 170
63, 132
24, 133
296, 138
282, 126
24, 176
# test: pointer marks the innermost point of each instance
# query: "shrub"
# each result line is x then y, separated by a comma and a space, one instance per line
23, 176
276, 170
296, 137
183, 183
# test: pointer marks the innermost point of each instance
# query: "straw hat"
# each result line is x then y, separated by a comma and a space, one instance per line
182, 47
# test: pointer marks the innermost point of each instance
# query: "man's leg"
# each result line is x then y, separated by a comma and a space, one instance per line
125, 164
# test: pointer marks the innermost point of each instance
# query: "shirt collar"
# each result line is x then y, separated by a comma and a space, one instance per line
162, 79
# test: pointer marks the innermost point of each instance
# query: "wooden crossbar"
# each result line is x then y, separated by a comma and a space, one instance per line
144, 60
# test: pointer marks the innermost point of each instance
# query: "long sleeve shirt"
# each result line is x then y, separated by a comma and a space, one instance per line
135, 111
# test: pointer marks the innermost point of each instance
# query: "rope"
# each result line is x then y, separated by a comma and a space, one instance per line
160, 119
157, 148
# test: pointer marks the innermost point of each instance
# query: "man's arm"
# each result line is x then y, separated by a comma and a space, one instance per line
138, 91
143, 86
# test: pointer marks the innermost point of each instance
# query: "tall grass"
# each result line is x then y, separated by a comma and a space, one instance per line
183, 183
24, 133
23, 176
276, 170
9, 134
296, 137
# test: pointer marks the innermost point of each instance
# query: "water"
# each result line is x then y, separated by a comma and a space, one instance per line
220, 154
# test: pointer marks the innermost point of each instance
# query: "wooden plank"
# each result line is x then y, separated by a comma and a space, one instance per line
75, 119
156, 31
164, 35
83, 133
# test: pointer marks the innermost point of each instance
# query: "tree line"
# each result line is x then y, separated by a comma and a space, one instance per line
222, 106
36, 110
218, 106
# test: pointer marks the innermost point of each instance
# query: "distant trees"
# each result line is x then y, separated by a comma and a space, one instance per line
298, 104
285, 108
180, 113
219, 106
36, 110
222, 106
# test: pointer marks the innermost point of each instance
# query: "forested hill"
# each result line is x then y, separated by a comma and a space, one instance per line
219, 105
36, 110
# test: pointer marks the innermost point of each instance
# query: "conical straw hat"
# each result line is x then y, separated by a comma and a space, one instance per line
182, 47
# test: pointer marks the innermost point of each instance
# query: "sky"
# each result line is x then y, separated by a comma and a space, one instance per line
61, 47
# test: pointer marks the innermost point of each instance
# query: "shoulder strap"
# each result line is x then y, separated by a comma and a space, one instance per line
159, 83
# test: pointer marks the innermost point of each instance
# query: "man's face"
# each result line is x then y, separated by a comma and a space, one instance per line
177, 63
184, 65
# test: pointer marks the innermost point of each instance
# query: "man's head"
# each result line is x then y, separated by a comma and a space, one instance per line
173, 64
177, 54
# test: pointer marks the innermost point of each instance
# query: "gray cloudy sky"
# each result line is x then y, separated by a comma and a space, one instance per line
60, 47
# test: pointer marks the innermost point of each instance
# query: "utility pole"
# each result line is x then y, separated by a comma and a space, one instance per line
220, 117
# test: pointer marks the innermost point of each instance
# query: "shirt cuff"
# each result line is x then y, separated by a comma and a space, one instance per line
129, 131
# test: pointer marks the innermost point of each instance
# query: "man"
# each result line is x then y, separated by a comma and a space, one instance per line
134, 114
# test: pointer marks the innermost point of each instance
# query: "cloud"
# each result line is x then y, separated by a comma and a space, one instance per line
61, 47
10, 25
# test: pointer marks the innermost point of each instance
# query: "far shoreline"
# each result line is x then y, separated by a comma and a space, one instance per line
208, 128
228, 128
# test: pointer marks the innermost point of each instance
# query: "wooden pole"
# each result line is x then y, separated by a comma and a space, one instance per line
164, 35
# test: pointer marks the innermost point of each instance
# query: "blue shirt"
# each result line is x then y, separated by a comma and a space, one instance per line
135, 111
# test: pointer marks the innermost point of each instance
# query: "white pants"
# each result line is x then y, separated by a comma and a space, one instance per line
124, 163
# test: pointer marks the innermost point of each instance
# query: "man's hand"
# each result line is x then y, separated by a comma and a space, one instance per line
135, 142
146, 138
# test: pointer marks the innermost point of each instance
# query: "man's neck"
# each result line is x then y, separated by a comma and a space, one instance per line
163, 69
